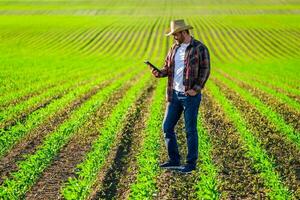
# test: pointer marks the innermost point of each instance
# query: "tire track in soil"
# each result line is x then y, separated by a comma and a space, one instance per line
62, 167
121, 168
290, 115
285, 154
237, 178
32, 140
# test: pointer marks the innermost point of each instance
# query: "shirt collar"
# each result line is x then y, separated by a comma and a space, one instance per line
193, 41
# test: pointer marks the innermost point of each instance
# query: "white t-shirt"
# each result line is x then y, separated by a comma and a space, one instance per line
179, 66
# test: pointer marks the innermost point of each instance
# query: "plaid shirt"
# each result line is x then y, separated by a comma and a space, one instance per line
196, 69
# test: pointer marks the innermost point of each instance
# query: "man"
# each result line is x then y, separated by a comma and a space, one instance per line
187, 66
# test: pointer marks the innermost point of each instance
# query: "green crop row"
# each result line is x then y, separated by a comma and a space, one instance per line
264, 80
38, 87
12, 112
9, 137
147, 158
115, 40
136, 38
230, 41
31, 168
266, 111
261, 161
206, 186
38, 80
235, 44
269, 74
37, 69
80, 188
282, 97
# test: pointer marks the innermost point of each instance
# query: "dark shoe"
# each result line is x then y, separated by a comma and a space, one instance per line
170, 165
187, 169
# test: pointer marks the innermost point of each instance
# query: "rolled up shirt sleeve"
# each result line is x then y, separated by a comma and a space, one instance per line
204, 69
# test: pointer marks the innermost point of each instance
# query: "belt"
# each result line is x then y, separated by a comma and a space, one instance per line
179, 92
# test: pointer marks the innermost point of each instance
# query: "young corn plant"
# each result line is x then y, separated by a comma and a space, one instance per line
33, 165
206, 186
9, 137
147, 159
272, 116
261, 161
80, 187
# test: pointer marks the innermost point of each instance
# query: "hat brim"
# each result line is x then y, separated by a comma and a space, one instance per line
179, 29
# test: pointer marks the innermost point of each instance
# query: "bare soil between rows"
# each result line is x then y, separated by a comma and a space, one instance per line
120, 170
237, 177
285, 154
32, 140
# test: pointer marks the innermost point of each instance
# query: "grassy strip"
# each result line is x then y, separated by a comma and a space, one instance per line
9, 137
206, 186
30, 169
271, 115
205, 35
276, 190
145, 184
80, 188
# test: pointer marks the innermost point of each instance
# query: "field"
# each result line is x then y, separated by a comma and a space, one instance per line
81, 115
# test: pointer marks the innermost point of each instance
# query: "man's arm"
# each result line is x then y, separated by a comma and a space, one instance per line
164, 70
204, 69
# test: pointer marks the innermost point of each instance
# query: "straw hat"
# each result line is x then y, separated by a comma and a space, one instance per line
177, 26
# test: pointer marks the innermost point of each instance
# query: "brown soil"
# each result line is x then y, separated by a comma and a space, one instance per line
27, 96
28, 144
21, 118
52, 179
237, 177
171, 184
290, 115
238, 180
285, 154
120, 169
48, 186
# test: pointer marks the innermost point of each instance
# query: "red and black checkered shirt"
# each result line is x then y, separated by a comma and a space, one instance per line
196, 67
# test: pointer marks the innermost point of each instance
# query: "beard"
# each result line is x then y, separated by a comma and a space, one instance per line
179, 40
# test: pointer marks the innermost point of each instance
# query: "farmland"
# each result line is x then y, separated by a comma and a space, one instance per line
81, 115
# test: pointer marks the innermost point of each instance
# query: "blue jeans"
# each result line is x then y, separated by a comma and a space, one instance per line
189, 105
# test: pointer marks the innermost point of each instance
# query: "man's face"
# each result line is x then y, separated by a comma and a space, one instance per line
179, 37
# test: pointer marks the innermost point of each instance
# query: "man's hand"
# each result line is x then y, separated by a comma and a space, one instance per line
154, 72
191, 92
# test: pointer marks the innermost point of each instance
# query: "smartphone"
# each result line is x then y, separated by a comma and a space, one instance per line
148, 63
